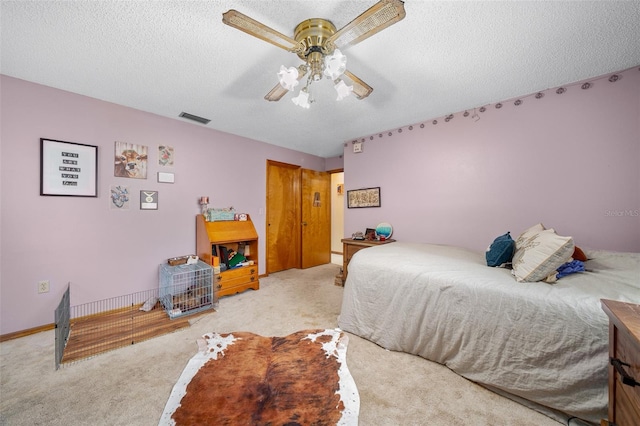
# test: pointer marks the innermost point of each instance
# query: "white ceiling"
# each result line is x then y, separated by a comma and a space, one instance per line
166, 57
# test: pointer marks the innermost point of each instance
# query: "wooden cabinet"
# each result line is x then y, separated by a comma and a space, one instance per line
232, 235
351, 247
624, 362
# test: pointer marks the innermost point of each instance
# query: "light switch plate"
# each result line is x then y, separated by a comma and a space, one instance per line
357, 147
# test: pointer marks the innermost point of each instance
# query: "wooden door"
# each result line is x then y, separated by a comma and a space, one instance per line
283, 216
316, 218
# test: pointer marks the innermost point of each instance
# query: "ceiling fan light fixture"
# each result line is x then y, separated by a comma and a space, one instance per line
342, 89
302, 100
335, 64
288, 77
316, 42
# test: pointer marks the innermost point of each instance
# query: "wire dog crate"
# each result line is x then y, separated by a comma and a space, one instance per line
186, 289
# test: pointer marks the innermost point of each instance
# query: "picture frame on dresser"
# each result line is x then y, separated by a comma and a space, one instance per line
370, 234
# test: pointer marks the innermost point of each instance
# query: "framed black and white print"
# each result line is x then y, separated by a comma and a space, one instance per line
68, 168
367, 197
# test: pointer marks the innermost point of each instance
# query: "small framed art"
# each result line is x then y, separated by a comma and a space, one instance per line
166, 177
148, 200
120, 197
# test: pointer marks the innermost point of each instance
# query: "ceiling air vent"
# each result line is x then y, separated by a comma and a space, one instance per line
194, 118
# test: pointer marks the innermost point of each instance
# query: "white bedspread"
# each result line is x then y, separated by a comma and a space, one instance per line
547, 343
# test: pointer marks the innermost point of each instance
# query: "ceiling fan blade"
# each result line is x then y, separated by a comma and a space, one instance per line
278, 91
378, 17
242, 22
360, 88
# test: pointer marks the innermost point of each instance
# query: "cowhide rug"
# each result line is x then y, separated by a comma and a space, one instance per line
245, 379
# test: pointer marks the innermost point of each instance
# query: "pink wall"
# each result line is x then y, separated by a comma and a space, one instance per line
570, 161
105, 253
334, 163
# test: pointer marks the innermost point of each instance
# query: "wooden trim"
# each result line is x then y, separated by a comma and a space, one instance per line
281, 164
332, 171
27, 332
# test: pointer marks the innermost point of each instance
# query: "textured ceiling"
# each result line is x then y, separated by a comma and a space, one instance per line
166, 57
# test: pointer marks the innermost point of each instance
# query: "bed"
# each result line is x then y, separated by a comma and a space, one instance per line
545, 345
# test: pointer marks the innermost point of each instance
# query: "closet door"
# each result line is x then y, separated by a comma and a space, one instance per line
283, 216
316, 218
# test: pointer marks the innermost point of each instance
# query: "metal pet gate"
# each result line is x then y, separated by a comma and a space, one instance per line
62, 317
89, 329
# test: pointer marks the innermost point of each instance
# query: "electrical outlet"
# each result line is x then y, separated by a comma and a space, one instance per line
43, 286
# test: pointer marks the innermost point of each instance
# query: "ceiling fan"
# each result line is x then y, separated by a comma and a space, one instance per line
317, 42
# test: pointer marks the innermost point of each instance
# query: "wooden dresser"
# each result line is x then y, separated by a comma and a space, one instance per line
624, 363
351, 247
232, 235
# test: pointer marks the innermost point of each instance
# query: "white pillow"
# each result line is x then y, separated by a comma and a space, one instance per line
522, 238
541, 255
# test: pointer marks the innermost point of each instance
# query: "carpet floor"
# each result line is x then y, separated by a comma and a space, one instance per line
130, 386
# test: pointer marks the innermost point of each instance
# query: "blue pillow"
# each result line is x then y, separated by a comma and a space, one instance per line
501, 250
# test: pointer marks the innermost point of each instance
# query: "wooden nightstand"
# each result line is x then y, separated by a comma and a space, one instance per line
349, 248
624, 363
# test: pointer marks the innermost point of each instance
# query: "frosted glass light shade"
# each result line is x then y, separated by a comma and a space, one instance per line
342, 89
335, 64
288, 77
302, 100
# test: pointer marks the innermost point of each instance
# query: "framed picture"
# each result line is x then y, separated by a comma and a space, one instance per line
165, 177
368, 197
148, 200
68, 168
130, 160
370, 234
119, 199
165, 155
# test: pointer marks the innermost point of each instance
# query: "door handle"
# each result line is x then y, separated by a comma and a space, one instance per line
304, 223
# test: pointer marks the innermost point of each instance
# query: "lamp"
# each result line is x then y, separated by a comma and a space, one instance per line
318, 65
